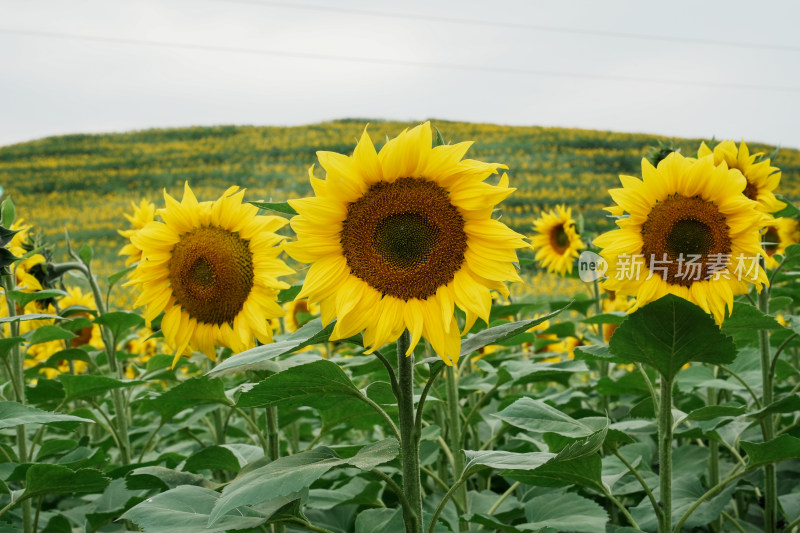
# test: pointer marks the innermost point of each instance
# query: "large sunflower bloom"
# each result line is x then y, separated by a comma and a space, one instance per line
779, 234
397, 238
556, 241
762, 178
143, 214
689, 231
213, 270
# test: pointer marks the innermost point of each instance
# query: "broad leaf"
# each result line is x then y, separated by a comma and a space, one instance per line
280, 207
186, 509
87, 385
564, 512
120, 321
190, 393
259, 358
668, 333
24, 298
41, 479
497, 334
314, 384
539, 417
14, 414
778, 449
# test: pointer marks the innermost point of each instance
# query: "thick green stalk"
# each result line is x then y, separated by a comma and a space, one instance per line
17, 376
768, 425
713, 458
665, 453
120, 405
273, 440
409, 437
454, 429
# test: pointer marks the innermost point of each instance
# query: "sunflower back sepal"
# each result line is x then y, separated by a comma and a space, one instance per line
668, 333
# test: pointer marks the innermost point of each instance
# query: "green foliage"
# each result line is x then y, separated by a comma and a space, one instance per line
668, 333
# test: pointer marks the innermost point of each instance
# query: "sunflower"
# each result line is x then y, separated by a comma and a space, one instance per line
556, 241
762, 178
689, 231
212, 268
143, 214
779, 234
397, 238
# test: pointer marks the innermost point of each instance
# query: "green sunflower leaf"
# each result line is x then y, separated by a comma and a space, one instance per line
497, 334
186, 509
15, 414
41, 479
88, 386
189, 394
24, 298
668, 333
564, 512
280, 207
259, 358
782, 448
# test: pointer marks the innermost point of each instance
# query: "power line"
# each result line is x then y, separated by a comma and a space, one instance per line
517, 25
399, 62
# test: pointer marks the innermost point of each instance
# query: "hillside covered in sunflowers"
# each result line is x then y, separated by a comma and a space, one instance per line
363, 327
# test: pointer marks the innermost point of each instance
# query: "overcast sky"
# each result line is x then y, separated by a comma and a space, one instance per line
724, 69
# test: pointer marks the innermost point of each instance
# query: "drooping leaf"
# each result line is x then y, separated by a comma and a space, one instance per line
190, 393
280, 207
778, 449
49, 333
314, 384
539, 417
120, 321
259, 357
15, 414
24, 298
566, 511
379, 521
87, 385
213, 457
186, 509
43, 478
497, 334
29, 316
281, 477
668, 333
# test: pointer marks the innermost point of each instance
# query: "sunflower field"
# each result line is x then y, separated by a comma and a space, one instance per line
383, 328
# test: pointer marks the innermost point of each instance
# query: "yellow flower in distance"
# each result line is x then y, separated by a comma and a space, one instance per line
213, 269
778, 234
762, 177
689, 231
143, 214
397, 238
556, 241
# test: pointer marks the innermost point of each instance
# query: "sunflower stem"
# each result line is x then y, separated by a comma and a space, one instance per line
768, 426
665, 453
17, 358
120, 406
409, 437
713, 459
273, 441
455, 431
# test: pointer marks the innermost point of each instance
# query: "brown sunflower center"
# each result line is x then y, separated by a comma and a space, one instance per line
559, 240
211, 272
751, 190
685, 240
771, 240
404, 239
